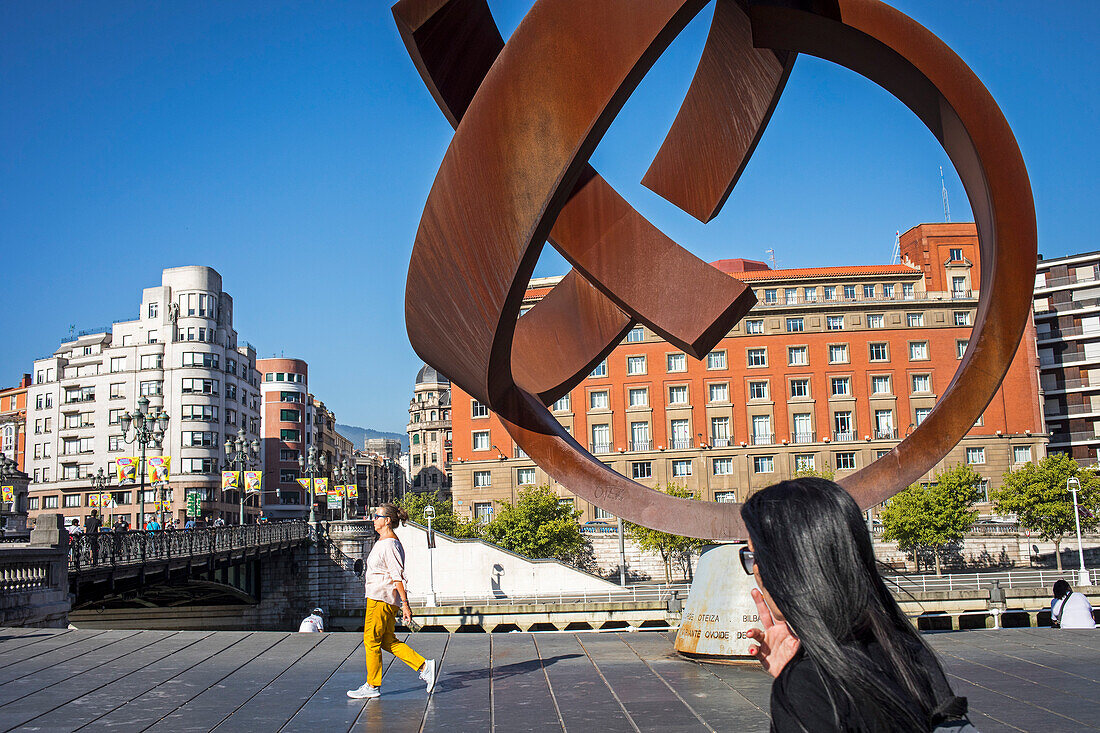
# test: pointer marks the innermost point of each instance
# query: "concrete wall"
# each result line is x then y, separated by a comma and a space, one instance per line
34, 578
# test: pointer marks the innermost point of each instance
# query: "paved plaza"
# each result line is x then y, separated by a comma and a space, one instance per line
64, 680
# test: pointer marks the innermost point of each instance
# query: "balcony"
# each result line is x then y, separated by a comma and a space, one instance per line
720, 442
1068, 438
803, 437
680, 444
763, 439
1053, 408
886, 434
1059, 334
640, 445
844, 436
1073, 305
1057, 282
597, 448
1068, 384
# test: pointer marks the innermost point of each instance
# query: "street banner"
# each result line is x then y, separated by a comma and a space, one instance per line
106, 501
339, 491
353, 492
7, 494
127, 470
320, 486
158, 468
230, 479
93, 500
333, 501
304, 483
252, 481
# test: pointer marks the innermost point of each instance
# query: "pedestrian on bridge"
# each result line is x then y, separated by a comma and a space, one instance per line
385, 593
1070, 610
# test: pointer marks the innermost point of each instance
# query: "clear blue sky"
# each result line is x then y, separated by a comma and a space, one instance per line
291, 146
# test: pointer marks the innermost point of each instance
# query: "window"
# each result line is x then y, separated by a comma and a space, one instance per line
600, 370
676, 362
918, 350
599, 400
887, 291
151, 388
756, 357
716, 360
763, 464
681, 468
834, 323
201, 359
958, 287
838, 353
829, 292
719, 392
114, 417
868, 291
880, 385
601, 438
287, 455
1021, 454
810, 294
200, 386
758, 390
151, 361
199, 438
478, 410
639, 436
638, 397
287, 476
722, 466
289, 397
795, 325
720, 431
525, 476
845, 461
641, 469
290, 435
118, 391
483, 511
230, 390
878, 352
754, 326
914, 320
771, 296
482, 479
790, 295
876, 320
285, 416
71, 500
920, 414
118, 363
800, 388
32, 503
841, 386
797, 356
762, 430
954, 255
151, 337
562, 405
804, 462
922, 383
907, 291
975, 455
635, 365
681, 434
635, 335
884, 425
481, 440
678, 395
962, 318
960, 347
843, 425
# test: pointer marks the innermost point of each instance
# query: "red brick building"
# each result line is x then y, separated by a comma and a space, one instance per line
285, 417
13, 421
830, 370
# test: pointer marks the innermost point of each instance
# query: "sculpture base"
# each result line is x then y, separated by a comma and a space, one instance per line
719, 609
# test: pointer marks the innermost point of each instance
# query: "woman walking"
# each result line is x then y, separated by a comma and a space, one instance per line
385, 592
843, 654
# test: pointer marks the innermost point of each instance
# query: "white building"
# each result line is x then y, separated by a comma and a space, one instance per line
183, 354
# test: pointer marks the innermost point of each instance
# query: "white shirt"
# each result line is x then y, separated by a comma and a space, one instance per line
1075, 613
312, 623
385, 567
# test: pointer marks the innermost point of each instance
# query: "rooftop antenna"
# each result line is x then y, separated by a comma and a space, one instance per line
72, 330
897, 248
946, 203
771, 256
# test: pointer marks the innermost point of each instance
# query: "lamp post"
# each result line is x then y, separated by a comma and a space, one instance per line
429, 514
344, 475
148, 429
311, 465
1082, 575
99, 483
240, 452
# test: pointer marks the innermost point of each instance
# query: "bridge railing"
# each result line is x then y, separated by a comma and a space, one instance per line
630, 594
113, 549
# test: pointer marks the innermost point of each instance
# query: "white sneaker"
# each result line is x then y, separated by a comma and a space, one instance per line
427, 673
366, 691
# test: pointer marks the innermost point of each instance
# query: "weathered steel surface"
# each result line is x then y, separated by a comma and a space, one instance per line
528, 115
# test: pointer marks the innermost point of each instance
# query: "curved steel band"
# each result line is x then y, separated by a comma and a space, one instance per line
530, 112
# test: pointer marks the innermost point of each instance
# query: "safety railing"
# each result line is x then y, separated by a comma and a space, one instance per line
630, 594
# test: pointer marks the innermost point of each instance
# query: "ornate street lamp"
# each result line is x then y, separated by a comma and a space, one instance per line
99, 483
240, 453
148, 429
311, 465
344, 475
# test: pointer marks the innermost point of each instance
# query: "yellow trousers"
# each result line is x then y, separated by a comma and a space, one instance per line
378, 635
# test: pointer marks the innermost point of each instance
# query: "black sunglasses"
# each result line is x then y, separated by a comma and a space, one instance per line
748, 559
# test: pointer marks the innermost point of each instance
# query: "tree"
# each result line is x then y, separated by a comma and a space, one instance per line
1039, 497
825, 472
445, 521
666, 545
934, 517
538, 525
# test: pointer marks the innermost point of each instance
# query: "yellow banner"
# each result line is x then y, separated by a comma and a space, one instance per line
158, 468
304, 483
252, 481
8, 494
340, 490
127, 469
230, 479
320, 486
353, 492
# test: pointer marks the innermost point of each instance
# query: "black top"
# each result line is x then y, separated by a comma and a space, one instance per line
800, 688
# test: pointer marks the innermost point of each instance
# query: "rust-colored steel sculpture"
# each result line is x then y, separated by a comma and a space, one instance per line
528, 114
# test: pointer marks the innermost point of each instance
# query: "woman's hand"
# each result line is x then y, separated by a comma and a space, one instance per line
776, 644
406, 613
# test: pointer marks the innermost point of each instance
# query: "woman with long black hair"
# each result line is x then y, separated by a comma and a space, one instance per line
844, 656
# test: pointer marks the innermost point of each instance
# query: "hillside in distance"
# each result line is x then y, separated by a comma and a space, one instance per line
356, 435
